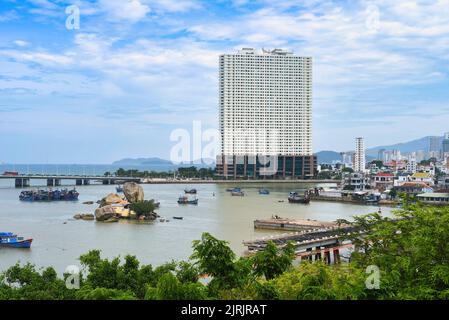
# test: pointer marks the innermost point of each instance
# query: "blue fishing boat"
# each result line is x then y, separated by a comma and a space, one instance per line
264, 191
49, 195
11, 240
236, 189
119, 189
186, 200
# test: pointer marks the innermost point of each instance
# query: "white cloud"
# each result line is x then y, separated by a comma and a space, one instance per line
128, 10
8, 16
21, 43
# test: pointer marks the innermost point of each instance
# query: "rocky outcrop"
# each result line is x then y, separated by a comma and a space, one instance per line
133, 192
111, 198
105, 213
84, 216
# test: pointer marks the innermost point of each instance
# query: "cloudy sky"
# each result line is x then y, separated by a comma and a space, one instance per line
137, 69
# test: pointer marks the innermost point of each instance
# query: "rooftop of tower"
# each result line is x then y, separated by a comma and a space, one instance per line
275, 52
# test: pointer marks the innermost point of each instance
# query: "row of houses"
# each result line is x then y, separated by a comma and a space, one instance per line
425, 186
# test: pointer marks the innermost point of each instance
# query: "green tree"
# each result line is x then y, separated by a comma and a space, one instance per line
272, 261
143, 208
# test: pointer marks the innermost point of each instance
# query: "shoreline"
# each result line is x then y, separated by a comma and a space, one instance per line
236, 181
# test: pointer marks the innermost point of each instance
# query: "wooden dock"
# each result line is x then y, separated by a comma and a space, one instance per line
292, 224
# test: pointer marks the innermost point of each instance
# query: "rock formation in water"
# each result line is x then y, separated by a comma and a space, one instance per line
111, 198
133, 192
105, 213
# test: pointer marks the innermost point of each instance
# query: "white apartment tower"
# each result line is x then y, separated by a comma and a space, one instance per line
359, 156
265, 106
265, 103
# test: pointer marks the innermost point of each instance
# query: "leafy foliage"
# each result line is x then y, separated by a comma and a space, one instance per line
410, 251
142, 208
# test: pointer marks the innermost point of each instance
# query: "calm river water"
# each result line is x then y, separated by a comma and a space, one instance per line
59, 240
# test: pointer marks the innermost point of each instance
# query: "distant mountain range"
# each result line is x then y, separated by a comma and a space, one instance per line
326, 156
371, 153
155, 163
410, 146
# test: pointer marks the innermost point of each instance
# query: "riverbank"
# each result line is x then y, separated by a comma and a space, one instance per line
236, 181
390, 203
59, 239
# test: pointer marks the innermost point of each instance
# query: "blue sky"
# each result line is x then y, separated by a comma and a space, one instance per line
137, 69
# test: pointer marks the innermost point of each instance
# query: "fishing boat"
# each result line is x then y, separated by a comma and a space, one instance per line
294, 197
49, 195
236, 189
190, 191
11, 240
119, 188
237, 193
186, 200
264, 191
178, 218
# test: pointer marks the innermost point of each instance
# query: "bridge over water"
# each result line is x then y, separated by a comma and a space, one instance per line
318, 243
23, 181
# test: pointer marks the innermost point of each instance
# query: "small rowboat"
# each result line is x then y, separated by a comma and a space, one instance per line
190, 191
236, 189
238, 193
10, 240
178, 218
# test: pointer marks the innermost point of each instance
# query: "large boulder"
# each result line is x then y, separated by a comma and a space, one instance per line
133, 192
111, 198
105, 213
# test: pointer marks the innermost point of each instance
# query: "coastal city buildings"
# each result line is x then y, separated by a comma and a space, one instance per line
445, 146
359, 156
265, 109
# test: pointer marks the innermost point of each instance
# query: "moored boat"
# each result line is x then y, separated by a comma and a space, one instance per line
186, 200
237, 193
264, 191
49, 195
11, 240
236, 189
119, 188
190, 191
294, 197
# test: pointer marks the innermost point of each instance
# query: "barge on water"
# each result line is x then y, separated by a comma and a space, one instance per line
291, 224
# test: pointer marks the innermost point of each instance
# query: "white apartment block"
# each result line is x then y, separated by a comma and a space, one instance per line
359, 156
265, 101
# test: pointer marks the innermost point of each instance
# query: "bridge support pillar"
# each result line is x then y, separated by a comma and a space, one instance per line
26, 183
318, 254
336, 254
50, 182
106, 182
310, 254
327, 257
79, 182
22, 183
86, 182
57, 182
